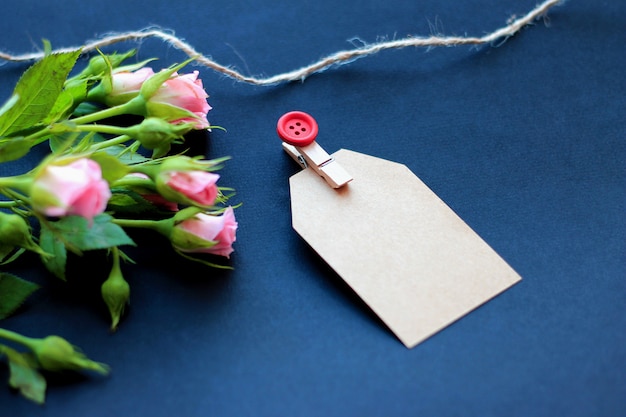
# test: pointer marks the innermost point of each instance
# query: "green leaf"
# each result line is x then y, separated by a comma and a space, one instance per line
24, 375
13, 292
74, 92
14, 148
61, 142
50, 244
103, 233
65, 139
129, 202
112, 168
38, 90
125, 156
124, 200
86, 108
62, 105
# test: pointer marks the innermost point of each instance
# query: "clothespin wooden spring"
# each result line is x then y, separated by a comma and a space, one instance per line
298, 131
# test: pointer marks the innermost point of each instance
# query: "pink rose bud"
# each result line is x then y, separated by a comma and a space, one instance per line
186, 92
73, 189
188, 187
193, 234
126, 85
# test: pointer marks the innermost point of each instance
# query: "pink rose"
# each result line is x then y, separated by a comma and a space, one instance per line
195, 187
186, 92
72, 189
183, 91
220, 229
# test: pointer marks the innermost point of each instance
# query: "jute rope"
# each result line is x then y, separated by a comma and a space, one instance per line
335, 59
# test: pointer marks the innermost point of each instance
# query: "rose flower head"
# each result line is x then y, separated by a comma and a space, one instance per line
186, 92
76, 188
204, 233
181, 180
177, 98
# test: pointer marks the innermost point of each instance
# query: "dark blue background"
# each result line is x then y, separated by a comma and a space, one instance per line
525, 141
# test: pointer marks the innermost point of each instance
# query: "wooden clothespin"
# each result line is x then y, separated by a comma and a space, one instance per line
298, 131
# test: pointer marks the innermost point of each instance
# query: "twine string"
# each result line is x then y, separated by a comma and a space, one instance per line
300, 74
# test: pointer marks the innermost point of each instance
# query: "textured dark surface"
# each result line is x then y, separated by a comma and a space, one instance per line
525, 141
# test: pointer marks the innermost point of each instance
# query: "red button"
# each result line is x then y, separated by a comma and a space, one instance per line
297, 128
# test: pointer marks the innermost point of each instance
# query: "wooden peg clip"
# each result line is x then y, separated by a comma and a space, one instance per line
298, 131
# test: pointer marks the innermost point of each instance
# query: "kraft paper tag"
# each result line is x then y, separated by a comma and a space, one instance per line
413, 261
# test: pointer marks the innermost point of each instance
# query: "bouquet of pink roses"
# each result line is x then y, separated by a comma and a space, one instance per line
99, 179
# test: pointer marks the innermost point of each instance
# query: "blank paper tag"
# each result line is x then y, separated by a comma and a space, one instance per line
415, 263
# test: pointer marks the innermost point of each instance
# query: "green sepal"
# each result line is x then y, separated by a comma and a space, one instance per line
152, 84
13, 292
47, 47
168, 112
4, 252
112, 168
194, 242
203, 261
133, 67
101, 64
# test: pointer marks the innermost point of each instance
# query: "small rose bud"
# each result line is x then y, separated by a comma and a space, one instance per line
115, 293
157, 135
98, 64
185, 180
204, 233
15, 231
124, 86
56, 354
